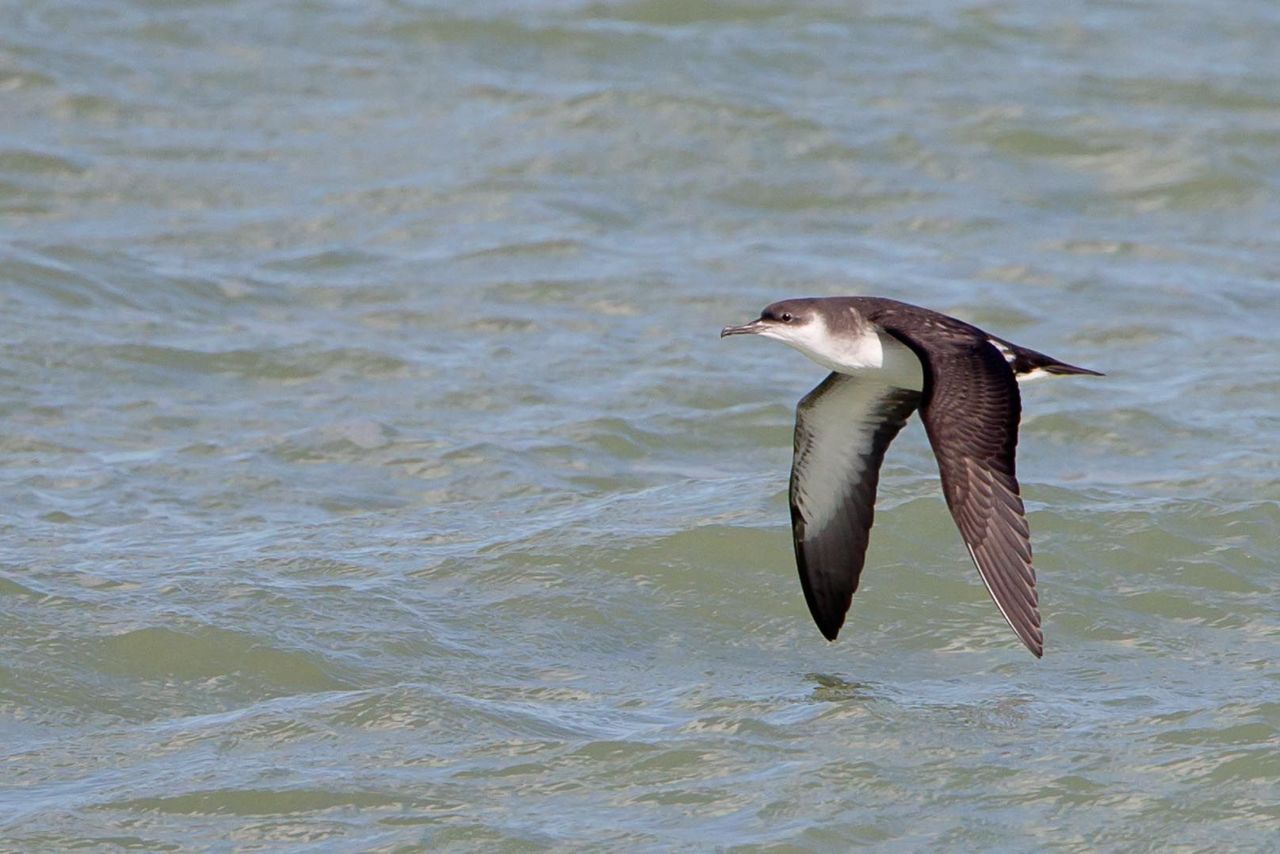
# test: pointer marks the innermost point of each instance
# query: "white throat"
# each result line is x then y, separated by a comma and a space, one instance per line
873, 352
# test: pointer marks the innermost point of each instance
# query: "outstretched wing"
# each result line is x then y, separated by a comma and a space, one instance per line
971, 411
842, 430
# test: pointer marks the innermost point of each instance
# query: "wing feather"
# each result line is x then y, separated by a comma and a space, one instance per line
971, 416
971, 409
843, 428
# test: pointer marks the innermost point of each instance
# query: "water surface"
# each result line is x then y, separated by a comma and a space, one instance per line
373, 475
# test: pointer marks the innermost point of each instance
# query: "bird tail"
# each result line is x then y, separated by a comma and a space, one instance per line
1056, 367
1026, 362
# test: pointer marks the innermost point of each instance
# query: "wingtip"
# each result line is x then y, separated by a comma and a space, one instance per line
1034, 642
830, 632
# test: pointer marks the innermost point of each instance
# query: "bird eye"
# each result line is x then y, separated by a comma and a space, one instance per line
786, 317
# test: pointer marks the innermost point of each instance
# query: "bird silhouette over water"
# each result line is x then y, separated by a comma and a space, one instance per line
888, 359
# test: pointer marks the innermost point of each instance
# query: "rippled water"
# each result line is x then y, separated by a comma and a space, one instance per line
374, 477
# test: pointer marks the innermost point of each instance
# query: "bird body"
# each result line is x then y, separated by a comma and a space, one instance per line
889, 359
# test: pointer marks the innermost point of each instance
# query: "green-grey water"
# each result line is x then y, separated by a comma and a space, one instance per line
373, 476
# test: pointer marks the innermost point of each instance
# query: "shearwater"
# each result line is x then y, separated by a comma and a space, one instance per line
889, 358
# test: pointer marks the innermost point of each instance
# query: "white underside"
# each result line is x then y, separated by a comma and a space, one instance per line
874, 352
841, 428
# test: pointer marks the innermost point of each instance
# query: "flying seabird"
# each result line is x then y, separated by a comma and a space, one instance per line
889, 358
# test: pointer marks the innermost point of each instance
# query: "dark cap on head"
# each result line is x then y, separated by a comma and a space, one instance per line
787, 311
